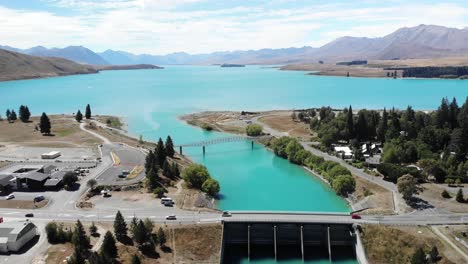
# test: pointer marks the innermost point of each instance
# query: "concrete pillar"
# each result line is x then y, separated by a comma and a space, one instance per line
302, 242
180, 150
248, 241
203, 150
274, 242
329, 244
252, 144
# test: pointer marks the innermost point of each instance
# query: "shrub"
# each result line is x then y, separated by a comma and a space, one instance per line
445, 194
344, 184
207, 127
195, 175
211, 187
459, 196
254, 130
159, 192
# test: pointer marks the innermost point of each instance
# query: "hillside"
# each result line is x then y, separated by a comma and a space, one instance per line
15, 66
77, 54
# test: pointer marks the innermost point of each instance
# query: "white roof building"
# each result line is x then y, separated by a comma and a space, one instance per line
14, 235
344, 150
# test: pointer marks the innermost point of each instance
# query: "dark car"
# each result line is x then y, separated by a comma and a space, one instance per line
226, 214
355, 216
29, 215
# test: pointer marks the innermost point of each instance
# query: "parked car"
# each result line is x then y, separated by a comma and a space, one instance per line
355, 216
171, 217
10, 196
226, 214
39, 198
29, 215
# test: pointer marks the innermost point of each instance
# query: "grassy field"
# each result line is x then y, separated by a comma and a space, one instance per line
65, 133
432, 194
391, 244
283, 122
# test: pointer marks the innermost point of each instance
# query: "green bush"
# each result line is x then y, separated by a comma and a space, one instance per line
211, 187
207, 127
254, 130
445, 194
195, 175
344, 184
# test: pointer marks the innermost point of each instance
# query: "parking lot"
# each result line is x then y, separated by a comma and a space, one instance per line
34, 153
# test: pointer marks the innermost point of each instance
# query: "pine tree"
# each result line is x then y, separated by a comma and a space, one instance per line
88, 112
350, 123
133, 226
161, 237
160, 152
149, 161
13, 116
79, 116
361, 126
167, 169
152, 179
44, 124
169, 147
24, 113
419, 257
120, 227
175, 170
459, 196
76, 258
442, 114
453, 113
136, 260
108, 247
434, 254
141, 233
7, 114
92, 229
79, 238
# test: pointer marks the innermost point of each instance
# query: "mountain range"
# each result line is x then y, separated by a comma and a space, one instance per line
423, 41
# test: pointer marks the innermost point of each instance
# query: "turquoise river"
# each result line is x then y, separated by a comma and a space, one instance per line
151, 100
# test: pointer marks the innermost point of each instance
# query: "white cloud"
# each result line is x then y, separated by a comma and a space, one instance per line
164, 26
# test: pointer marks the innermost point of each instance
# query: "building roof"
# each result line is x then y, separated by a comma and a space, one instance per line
35, 176
5, 179
346, 150
49, 169
58, 175
52, 182
13, 231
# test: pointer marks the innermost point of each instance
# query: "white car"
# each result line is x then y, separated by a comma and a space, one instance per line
10, 196
171, 217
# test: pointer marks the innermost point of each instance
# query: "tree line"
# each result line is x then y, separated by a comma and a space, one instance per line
24, 114
435, 72
437, 140
339, 177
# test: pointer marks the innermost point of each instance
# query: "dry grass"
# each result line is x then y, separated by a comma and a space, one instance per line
283, 122
58, 253
198, 243
459, 231
432, 194
65, 129
381, 197
388, 244
21, 204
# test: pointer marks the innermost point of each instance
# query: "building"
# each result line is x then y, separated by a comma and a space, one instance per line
14, 235
343, 152
23, 176
51, 155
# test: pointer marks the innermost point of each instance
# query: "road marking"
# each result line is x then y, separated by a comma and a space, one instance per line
87, 216
108, 216
10, 213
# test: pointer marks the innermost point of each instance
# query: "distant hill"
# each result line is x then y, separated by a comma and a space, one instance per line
15, 66
423, 41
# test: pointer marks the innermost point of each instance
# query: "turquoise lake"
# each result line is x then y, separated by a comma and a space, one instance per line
151, 100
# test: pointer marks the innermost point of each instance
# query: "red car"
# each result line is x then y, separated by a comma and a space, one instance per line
355, 216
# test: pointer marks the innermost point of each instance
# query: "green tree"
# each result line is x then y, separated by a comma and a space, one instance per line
141, 233
160, 152
79, 239
344, 184
136, 259
93, 229
169, 147
349, 124
24, 113
419, 257
159, 192
44, 124
88, 112
382, 127
407, 186
108, 247
79, 116
152, 179
161, 237
195, 175
254, 130
434, 254
362, 129
51, 232
120, 227
8, 115
91, 183
77, 257
292, 149
167, 169
211, 186
69, 179
175, 170
459, 196
13, 116
445, 194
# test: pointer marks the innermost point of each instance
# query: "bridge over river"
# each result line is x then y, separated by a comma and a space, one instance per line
220, 140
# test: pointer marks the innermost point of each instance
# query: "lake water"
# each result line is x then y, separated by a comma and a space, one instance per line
250, 179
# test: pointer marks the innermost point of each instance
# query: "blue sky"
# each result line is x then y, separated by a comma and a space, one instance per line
200, 26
